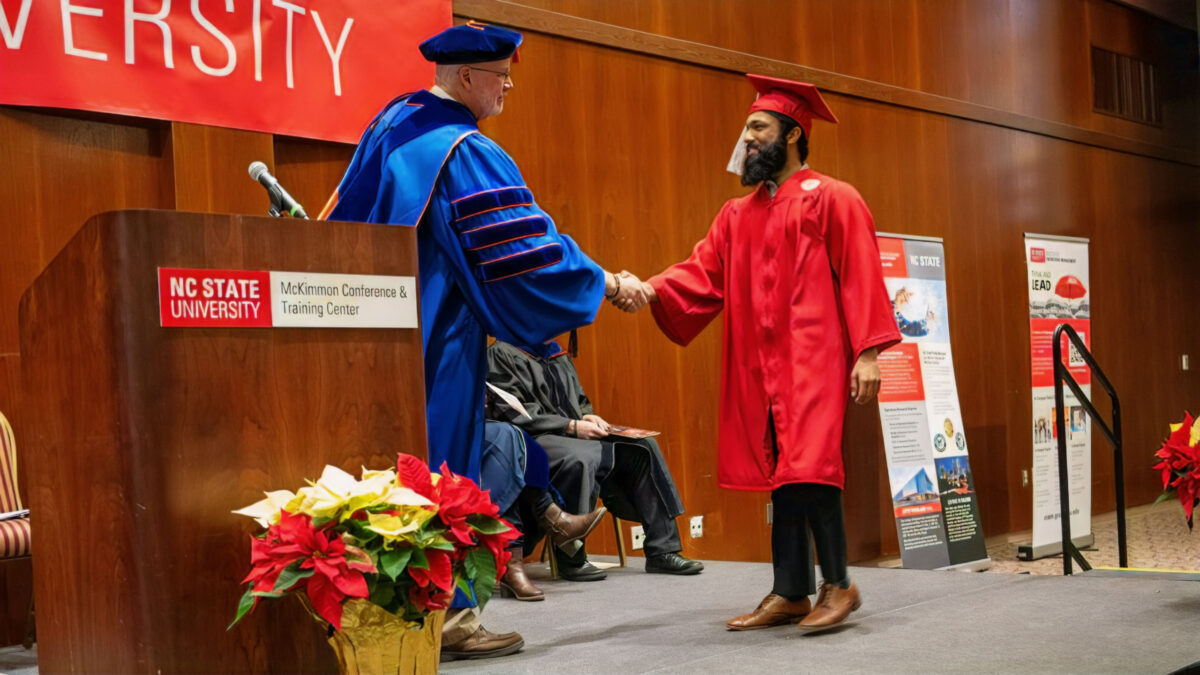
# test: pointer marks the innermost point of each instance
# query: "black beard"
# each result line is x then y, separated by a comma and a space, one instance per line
769, 161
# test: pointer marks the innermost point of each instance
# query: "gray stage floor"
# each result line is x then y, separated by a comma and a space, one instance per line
911, 622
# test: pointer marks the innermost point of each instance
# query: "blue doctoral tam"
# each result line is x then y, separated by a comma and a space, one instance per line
472, 42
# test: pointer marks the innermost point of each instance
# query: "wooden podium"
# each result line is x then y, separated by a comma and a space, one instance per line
141, 439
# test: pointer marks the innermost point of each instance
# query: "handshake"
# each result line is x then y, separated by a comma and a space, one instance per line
626, 292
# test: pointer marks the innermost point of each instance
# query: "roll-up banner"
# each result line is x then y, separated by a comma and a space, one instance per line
933, 490
1059, 292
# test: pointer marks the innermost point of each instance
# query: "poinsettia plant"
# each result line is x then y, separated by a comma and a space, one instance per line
1180, 465
403, 539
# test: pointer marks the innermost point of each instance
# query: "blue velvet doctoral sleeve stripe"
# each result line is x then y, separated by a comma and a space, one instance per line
521, 262
483, 237
468, 208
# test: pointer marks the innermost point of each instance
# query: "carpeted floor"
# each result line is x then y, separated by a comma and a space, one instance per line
1020, 617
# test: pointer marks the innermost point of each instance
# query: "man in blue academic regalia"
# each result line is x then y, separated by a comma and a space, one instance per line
490, 260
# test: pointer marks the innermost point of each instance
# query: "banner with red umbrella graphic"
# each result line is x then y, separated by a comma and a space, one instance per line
1058, 294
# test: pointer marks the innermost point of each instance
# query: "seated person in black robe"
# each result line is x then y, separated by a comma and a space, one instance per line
586, 463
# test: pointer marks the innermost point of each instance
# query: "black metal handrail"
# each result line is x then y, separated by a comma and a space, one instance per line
1062, 373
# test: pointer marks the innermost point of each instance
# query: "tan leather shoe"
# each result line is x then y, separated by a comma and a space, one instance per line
774, 610
834, 604
565, 528
483, 645
515, 583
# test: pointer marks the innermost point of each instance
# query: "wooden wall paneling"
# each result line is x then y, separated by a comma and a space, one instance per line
1170, 49
57, 169
975, 46
311, 170
1145, 226
988, 318
210, 169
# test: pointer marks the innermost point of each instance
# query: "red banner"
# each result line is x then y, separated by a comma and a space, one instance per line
309, 68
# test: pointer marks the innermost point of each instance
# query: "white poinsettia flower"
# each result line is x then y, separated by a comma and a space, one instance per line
266, 511
402, 496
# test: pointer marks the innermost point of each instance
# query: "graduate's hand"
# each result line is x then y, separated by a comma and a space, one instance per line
630, 296
648, 290
864, 379
599, 421
588, 430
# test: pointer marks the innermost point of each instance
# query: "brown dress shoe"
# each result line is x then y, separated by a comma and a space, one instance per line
565, 528
516, 583
774, 610
483, 645
834, 604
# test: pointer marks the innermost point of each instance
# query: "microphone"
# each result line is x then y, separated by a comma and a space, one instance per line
281, 201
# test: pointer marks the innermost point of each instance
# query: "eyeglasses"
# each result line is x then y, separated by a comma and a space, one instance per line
505, 75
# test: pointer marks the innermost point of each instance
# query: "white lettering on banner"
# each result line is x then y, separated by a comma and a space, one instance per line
335, 55
291, 9
925, 261
256, 29
231, 53
13, 36
69, 47
157, 19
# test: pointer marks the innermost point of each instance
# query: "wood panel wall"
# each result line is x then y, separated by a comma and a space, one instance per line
967, 120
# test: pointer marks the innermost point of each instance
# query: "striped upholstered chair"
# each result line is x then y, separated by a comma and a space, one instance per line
14, 532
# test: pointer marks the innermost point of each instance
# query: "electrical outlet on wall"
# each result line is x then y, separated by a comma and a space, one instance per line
637, 535
697, 525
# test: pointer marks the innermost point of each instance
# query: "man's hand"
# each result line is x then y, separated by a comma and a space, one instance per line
629, 294
864, 379
588, 430
648, 290
599, 421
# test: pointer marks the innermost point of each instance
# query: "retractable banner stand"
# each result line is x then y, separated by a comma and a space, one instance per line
933, 489
1059, 292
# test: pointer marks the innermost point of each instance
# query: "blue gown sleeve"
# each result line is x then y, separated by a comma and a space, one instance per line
526, 282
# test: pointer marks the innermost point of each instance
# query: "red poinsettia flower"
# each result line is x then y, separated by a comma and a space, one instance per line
413, 473
1180, 465
335, 577
434, 586
459, 497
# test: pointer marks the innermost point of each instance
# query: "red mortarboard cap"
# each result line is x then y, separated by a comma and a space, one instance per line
798, 100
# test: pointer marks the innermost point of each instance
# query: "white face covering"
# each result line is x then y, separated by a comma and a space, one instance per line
737, 161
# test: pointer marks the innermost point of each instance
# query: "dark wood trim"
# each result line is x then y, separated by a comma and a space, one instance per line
607, 35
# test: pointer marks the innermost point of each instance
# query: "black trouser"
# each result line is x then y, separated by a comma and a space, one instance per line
532, 501
629, 492
801, 510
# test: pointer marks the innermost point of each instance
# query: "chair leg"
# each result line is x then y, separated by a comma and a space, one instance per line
546, 553
30, 626
620, 540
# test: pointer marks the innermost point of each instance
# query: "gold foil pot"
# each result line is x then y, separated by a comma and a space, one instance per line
374, 641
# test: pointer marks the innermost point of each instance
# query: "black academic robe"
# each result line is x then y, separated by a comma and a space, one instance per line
544, 380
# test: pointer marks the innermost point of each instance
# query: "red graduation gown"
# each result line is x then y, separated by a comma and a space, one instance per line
799, 278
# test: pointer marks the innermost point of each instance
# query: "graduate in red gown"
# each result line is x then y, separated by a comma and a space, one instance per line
794, 267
